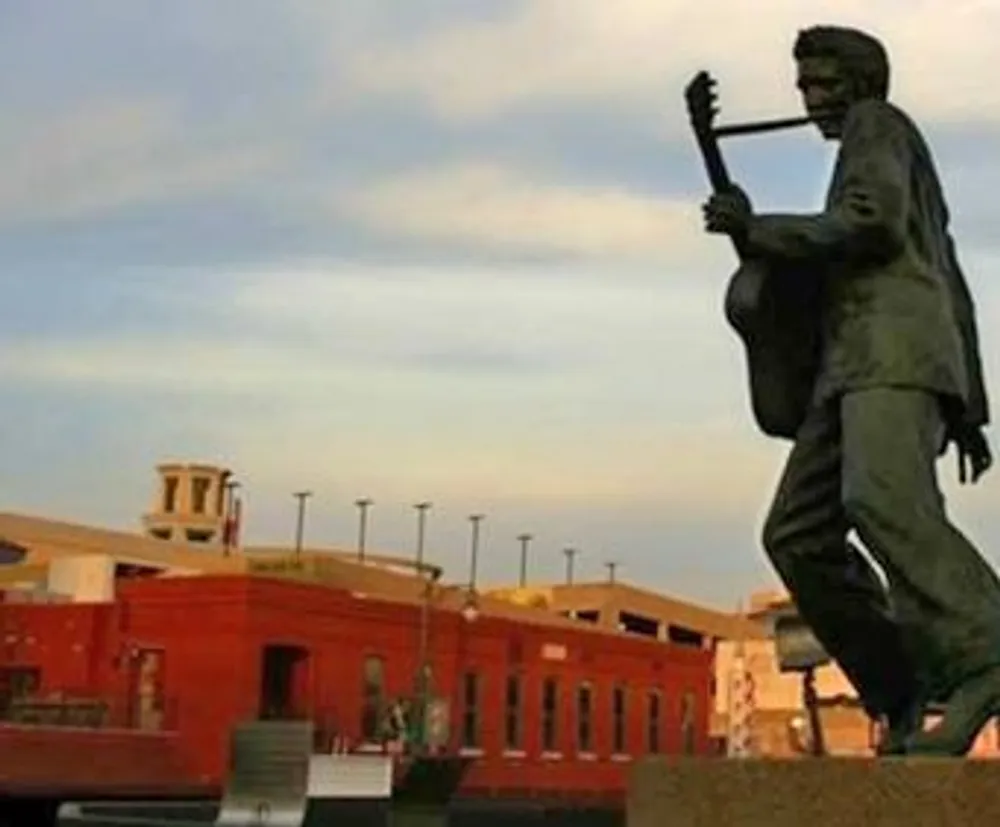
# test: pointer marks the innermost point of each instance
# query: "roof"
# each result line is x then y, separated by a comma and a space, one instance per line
380, 576
46, 539
383, 576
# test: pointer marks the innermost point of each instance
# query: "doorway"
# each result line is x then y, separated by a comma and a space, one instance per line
283, 682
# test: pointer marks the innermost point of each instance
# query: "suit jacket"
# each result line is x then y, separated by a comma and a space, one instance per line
896, 310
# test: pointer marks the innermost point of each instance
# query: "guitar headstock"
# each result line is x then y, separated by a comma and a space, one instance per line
702, 102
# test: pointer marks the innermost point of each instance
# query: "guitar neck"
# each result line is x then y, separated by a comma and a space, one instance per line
715, 166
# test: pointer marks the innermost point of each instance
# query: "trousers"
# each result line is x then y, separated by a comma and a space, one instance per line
867, 460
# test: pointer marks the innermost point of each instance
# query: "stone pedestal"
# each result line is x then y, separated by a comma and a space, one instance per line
825, 792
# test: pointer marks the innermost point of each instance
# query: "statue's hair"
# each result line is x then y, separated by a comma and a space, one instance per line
860, 54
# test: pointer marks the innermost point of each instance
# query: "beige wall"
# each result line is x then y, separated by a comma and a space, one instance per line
86, 578
778, 703
774, 690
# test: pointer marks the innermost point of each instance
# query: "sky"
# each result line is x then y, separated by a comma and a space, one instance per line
443, 250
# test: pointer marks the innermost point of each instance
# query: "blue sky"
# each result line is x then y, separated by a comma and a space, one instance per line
432, 249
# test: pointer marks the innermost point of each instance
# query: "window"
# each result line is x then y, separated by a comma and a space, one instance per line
199, 494
550, 713
687, 723
653, 722
17, 683
584, 718
639, 625
619, 745
683, 636
512, 713
170, 494
372, 697
11, 553
470, 710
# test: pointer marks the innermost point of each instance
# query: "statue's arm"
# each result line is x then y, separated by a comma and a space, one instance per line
866, 218
977, 412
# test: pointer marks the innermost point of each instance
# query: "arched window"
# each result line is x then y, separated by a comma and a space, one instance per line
585, 718
654, 706
550, 715
619, 728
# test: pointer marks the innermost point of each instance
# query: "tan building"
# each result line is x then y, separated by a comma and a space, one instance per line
779, 724
191, 503
626, 608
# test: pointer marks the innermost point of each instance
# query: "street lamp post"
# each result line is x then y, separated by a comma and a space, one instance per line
570, 557
423, 667
363, 505
300, 522
524, 539
475, 519
422, 509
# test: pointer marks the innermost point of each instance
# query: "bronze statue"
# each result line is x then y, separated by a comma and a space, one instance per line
862, 347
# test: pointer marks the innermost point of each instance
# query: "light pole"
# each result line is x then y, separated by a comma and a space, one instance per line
570, 556
423, 667
229, 524
524, 539
363, 505
475, 519
300, 522
422, 509
611, 566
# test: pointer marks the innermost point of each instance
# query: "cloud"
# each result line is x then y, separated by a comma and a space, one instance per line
467, 379
289, 329
111, 155
459, 380
502, 209
557, 359
636, 54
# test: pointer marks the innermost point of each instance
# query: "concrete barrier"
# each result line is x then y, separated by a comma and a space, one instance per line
822, 792
274, 781
349, 789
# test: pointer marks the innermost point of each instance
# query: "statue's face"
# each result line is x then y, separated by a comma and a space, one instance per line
825, 88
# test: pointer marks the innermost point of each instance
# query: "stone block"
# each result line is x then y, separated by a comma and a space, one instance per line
822, 792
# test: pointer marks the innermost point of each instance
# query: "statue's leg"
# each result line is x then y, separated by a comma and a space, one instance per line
945, 596
834, 587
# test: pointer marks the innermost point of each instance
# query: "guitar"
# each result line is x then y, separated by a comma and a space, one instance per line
772, 307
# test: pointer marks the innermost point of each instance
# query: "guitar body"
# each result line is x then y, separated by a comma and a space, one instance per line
775, 313
774, 310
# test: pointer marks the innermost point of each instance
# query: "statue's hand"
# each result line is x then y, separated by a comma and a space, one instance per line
728, 213
974, 456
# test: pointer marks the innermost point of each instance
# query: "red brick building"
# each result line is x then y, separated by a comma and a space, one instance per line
540, 701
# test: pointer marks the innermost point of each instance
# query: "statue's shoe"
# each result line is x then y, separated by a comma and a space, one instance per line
900, 728
967, 711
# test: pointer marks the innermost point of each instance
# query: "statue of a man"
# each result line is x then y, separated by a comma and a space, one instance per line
899, 380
